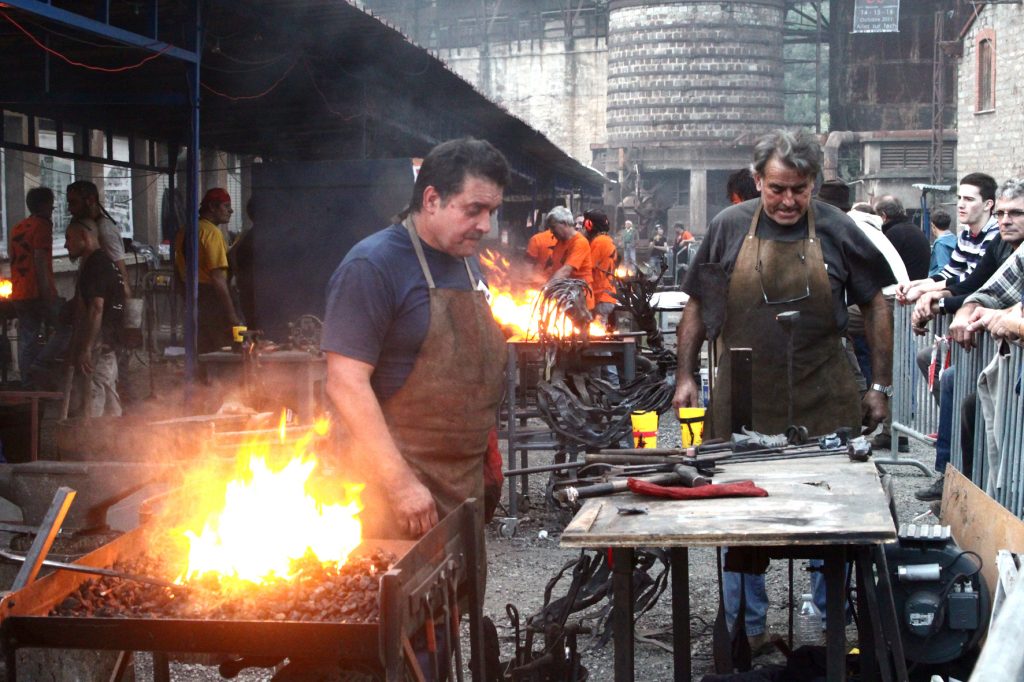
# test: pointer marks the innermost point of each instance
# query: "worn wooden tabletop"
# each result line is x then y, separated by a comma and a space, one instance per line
819, 501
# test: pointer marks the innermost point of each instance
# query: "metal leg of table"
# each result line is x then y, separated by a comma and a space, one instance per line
161, 667
629, 362
681, 656
511, 374
622, 589
874, 658
889, 619
835, 615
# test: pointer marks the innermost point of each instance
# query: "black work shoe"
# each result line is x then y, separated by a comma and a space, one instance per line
930, 492
881, 441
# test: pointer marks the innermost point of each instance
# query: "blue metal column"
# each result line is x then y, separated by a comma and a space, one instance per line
192, 223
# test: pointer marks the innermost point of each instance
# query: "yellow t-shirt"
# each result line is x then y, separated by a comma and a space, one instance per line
213, 252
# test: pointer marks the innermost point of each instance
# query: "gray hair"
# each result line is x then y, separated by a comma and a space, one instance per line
800, 151
1011, 189
560, 214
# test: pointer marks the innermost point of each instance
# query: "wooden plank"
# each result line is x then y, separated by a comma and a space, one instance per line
810, 502
979, 523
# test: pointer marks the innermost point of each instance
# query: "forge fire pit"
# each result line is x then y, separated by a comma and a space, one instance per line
424, 583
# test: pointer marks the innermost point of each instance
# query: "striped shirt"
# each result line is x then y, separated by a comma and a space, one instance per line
969, 250
1005, 287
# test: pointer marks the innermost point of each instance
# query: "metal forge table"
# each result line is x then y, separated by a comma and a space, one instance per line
449, 552
524, 360
828, 508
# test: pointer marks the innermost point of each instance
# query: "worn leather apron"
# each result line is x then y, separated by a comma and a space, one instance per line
441, 416
825, 394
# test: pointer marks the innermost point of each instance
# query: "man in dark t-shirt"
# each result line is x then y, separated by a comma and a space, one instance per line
99, 310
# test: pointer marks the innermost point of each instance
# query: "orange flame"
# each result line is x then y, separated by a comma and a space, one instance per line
514, 308
258, 525
6, 288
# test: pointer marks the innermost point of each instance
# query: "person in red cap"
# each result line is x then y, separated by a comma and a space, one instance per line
216, 309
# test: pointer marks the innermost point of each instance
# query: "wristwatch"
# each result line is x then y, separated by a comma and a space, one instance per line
887, 390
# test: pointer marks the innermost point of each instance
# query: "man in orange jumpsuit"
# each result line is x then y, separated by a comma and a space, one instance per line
538, 250
571, 254
604, 258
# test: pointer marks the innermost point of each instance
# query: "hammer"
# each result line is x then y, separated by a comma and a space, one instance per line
787, 320
682, 474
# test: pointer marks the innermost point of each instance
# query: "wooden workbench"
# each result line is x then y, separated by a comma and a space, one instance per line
827, 507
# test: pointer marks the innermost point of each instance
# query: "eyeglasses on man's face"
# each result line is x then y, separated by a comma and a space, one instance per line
1013, 214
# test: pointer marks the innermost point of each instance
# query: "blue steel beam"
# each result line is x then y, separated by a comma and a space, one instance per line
103, 30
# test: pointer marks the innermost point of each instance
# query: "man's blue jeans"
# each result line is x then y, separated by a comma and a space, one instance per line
755, 617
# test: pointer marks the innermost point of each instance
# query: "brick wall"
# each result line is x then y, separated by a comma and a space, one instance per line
693, 72
992, 141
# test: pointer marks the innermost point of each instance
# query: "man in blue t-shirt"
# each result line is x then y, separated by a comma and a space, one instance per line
414, 357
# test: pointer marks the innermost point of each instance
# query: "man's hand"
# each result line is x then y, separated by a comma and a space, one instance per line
414, 508
908, 292
925, 308
687, 393
958, 328
875, 407
1005, 324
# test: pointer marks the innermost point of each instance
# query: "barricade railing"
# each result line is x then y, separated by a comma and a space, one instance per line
915, 412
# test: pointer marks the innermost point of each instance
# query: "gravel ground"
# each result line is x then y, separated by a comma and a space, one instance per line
520, 566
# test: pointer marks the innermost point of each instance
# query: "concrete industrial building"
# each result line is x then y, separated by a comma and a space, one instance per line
667, 96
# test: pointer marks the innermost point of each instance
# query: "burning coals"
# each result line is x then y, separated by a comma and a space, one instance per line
261, 538
315, 592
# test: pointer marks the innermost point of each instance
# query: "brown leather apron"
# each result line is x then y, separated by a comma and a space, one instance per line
441, 417
791, 276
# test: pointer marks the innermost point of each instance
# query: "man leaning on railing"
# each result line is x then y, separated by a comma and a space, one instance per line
981, 290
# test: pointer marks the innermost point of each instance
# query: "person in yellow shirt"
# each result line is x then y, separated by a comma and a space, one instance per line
216, 309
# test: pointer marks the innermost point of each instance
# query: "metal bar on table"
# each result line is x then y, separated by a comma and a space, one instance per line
681, 657
92, 570
48, 530
622, 621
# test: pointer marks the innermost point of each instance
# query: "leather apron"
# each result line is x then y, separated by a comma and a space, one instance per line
441, 416
825, 395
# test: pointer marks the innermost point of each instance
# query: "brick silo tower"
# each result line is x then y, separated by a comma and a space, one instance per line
691, 84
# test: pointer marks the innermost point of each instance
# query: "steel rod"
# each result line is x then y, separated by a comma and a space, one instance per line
81, 568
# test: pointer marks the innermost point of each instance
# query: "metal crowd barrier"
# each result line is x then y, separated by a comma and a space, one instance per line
915, 412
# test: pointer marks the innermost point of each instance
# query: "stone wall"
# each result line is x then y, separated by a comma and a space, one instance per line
991, 140
558, 89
